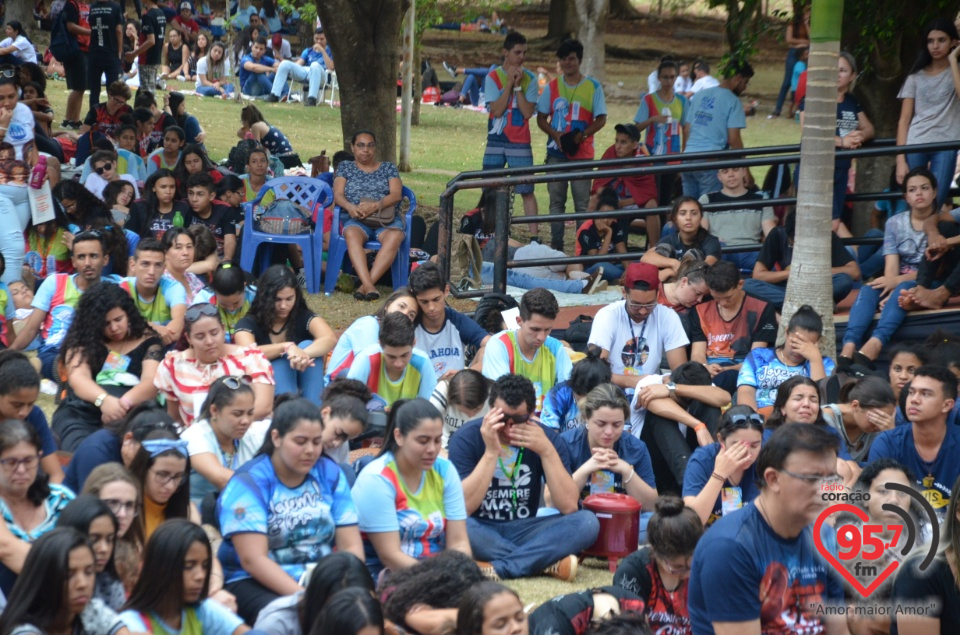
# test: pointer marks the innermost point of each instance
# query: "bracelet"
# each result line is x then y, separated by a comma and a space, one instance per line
629, 478
699, 427
718, 477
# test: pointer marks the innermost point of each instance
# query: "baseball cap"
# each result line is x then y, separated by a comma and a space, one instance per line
641, 273
186, 5
628, 129
277, 40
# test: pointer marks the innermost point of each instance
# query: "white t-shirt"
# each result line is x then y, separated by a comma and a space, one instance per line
636, 348
20, 129
704, 82
453, 417
638, 415
95, 184
25, 51
201, 439
683, 84
202, 70
653, 82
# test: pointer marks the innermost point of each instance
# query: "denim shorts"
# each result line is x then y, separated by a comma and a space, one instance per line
373, 233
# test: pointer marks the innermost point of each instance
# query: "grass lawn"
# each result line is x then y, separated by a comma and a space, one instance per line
450, 141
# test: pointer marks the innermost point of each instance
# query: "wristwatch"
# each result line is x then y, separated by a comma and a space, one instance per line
99, 400
672, 387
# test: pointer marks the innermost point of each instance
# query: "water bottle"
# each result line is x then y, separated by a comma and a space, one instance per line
39, 173
541, 82
177, 219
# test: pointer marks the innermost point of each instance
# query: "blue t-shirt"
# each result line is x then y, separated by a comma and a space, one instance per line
629, 448
57, 297
560, 409
517, 481
300, 523
419, 517
712, 112
935, 479
100, 447
309, 56
352, 342
697, 475
763, 370
213, 618
38, 420
550, 364
741, 558
244, 74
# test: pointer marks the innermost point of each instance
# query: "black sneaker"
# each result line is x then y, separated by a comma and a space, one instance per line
311, 101
271, 99
70, 125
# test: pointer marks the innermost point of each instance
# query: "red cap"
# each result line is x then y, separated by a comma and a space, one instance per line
277, 40
641, 272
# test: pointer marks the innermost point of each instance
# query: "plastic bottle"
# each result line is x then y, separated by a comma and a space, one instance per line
541, 82
177, 219
39, 173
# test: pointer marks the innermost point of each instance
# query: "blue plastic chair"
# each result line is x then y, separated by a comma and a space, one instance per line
399, 270
304, 191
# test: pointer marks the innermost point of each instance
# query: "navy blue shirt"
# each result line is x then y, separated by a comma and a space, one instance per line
100, 447
700, 467
629, 448
36, 418
741, 558
506, 498
936, 478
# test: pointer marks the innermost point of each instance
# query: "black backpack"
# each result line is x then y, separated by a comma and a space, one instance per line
63, 45
578, 333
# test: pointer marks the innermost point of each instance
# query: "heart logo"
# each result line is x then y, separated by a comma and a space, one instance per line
849, 577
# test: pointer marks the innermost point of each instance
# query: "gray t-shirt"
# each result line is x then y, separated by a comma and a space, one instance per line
936, 110
738, 226
859, 450
281, 617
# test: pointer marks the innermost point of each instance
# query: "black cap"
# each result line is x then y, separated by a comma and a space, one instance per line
628, 129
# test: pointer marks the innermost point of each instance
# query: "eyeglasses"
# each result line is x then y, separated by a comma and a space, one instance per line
814, 479
516, 419
165, 478
121, 508
674, 570
637, 306
366, 146
106, 167
12, 465
8, 72
197, 311
234, 383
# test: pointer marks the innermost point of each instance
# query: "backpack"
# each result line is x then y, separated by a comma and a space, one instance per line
578, 333
63, 45
465, 262
490, 307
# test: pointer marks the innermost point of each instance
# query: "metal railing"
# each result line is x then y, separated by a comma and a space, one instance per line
502, 180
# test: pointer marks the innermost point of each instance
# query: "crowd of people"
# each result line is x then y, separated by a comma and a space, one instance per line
217, 473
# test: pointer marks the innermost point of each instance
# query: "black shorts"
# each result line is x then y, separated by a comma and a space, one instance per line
75, 69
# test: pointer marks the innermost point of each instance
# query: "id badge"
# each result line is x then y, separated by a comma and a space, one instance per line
116, 361
731, 499
575, 111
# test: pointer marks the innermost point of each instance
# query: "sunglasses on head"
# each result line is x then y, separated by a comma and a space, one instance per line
234, 383
197, 311
741, 421
8, 72
88, 234
106, 167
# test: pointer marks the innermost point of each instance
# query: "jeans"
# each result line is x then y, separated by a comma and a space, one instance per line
870, 257
793, 56
524, 280
942, 164
308, 383
210, 91
257, 84
861, 314
316, 74
558, 201
14, 217
745, 260
473, 83
48, 361
611, 272
774, 293
527, 546
97, 65
696, 184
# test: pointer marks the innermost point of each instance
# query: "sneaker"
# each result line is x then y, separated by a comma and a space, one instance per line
271, 99
70, 125
181, 78
488, 571
302, 279
451, 70
311, 101
161, 84
692, 254
48, 387
564, 569
663, 249
593, 281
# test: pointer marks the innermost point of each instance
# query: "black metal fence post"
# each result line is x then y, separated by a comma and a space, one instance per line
445, 235
502, 238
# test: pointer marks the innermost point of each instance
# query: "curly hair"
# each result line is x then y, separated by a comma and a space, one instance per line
515, 391
264, 307
85, 336
88, 206
438, 582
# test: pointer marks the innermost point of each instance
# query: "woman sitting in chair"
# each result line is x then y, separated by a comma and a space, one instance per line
368, 190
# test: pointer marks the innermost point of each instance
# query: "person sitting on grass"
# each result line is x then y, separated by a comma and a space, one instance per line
218, 218
690, 237
503, 461
394, 369
159, 300
725, 329
603, 236
104, 170
254, 126
255, 69
770, 273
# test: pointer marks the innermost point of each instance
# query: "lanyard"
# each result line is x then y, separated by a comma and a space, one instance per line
233, 461
512, 475
643, 329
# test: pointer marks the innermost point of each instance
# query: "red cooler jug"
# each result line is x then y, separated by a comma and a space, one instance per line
619, 517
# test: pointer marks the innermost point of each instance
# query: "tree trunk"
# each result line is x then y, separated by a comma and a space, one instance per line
363, 36
810, 278
417, 83
624, 10
592, 15
20, 10
562, 24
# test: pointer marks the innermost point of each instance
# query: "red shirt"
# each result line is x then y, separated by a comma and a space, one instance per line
189, 24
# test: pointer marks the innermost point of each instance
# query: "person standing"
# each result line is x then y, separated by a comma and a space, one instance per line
660, 114
571, 109
106, 46
151, 46
77, 18
798, 39
511, 96
713, 122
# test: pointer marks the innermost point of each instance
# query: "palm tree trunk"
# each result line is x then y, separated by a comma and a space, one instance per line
810, 278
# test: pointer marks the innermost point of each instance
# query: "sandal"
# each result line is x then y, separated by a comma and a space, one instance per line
359, 296
373, 296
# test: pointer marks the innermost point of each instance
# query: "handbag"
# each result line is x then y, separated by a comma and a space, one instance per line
381, 218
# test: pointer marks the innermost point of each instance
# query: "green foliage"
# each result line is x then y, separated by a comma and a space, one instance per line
743, 28
307, 10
